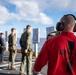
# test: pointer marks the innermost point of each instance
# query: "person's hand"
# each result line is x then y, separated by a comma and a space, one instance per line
26, 51
35, 73
4, 47
16, 44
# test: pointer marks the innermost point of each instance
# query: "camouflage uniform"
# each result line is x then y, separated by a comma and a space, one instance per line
12, 49
25, 42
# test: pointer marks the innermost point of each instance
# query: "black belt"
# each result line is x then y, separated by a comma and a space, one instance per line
12, 44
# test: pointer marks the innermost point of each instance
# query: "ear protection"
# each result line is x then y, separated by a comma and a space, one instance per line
74, 30
60, 25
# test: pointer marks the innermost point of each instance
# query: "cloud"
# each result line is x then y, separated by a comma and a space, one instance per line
45, 19
4, 15
58, 5
33, 10
26, 11
29, 11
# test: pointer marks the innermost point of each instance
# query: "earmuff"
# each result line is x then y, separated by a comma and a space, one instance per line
74, 30
60, 26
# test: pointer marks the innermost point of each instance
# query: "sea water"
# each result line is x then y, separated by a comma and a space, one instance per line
40, 44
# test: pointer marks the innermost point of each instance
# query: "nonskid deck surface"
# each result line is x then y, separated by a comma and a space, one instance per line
4, 67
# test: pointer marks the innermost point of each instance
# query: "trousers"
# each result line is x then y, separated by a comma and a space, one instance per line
26, 60
12, 56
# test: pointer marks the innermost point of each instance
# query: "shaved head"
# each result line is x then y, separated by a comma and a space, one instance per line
68, 21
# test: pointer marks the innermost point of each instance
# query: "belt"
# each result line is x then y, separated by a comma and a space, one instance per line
13, 44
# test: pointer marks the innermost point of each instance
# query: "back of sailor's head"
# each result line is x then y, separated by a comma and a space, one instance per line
68, 21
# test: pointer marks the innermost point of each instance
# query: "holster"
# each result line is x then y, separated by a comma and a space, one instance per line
29, 53
12, 49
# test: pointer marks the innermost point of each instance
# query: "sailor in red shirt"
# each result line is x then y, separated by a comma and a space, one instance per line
59, 52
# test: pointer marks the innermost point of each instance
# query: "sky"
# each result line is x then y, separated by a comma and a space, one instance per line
37, 13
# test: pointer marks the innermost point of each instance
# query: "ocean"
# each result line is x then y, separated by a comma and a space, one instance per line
40, 44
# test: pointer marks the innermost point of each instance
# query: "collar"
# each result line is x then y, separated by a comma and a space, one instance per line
68, 33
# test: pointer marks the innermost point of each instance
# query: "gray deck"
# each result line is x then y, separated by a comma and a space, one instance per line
4, 67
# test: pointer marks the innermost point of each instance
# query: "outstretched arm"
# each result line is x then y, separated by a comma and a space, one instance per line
42, 59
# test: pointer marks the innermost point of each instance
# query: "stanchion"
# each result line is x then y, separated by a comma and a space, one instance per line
36, 49
6, 45
6, 39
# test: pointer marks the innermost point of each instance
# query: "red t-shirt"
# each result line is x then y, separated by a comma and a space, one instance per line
59, 53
